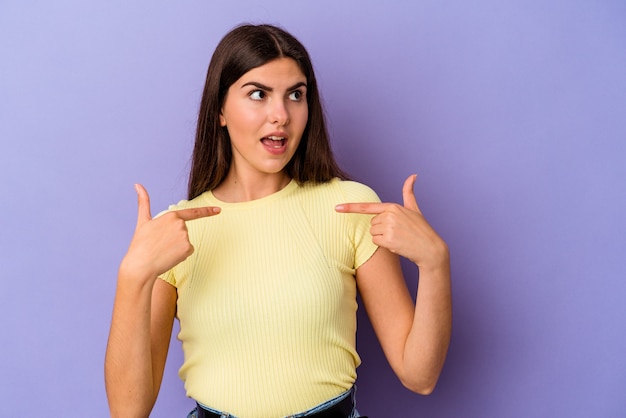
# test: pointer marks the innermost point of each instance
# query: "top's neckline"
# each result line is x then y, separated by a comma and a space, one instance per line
292, 185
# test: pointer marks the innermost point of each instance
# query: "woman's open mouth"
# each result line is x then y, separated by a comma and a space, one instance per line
274, 144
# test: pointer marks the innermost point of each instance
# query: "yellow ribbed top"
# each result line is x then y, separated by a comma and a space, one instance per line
267, 302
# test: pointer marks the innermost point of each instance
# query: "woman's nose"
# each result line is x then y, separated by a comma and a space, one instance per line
279, 114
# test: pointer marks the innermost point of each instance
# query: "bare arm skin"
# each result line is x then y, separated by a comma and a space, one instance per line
144, 309
414, 338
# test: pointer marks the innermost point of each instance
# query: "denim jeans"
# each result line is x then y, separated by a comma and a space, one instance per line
318, 408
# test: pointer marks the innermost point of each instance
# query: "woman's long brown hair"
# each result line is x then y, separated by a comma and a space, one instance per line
244, 48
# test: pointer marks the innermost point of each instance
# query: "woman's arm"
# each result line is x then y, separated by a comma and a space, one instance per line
139, 339
144, 309
414, 338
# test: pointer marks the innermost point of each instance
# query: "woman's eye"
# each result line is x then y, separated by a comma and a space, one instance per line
296, 95
257, 95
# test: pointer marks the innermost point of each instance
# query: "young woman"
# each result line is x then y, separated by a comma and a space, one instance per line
262, 263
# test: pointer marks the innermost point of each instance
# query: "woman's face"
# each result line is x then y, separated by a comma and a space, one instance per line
265, 112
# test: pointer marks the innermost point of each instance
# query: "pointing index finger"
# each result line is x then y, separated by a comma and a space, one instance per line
197, 213
366, 208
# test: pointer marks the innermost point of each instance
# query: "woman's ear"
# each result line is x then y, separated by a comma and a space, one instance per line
222, 120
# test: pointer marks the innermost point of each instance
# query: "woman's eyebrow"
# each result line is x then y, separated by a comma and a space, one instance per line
267, 88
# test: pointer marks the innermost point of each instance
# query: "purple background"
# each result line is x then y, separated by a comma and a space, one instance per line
512, 113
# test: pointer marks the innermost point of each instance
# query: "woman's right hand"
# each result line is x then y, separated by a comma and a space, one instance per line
159, 244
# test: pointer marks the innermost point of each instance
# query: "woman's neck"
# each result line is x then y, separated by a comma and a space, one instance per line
238, 187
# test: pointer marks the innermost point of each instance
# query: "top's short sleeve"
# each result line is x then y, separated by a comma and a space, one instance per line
362, 239
169, 275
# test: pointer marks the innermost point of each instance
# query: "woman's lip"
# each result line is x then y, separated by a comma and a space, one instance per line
271, 145
277, 134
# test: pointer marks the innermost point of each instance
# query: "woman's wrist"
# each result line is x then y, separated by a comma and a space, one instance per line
130, 271
439, 260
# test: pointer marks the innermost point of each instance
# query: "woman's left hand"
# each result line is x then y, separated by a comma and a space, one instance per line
402, 229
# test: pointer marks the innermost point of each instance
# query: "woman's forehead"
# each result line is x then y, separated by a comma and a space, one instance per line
278, 72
